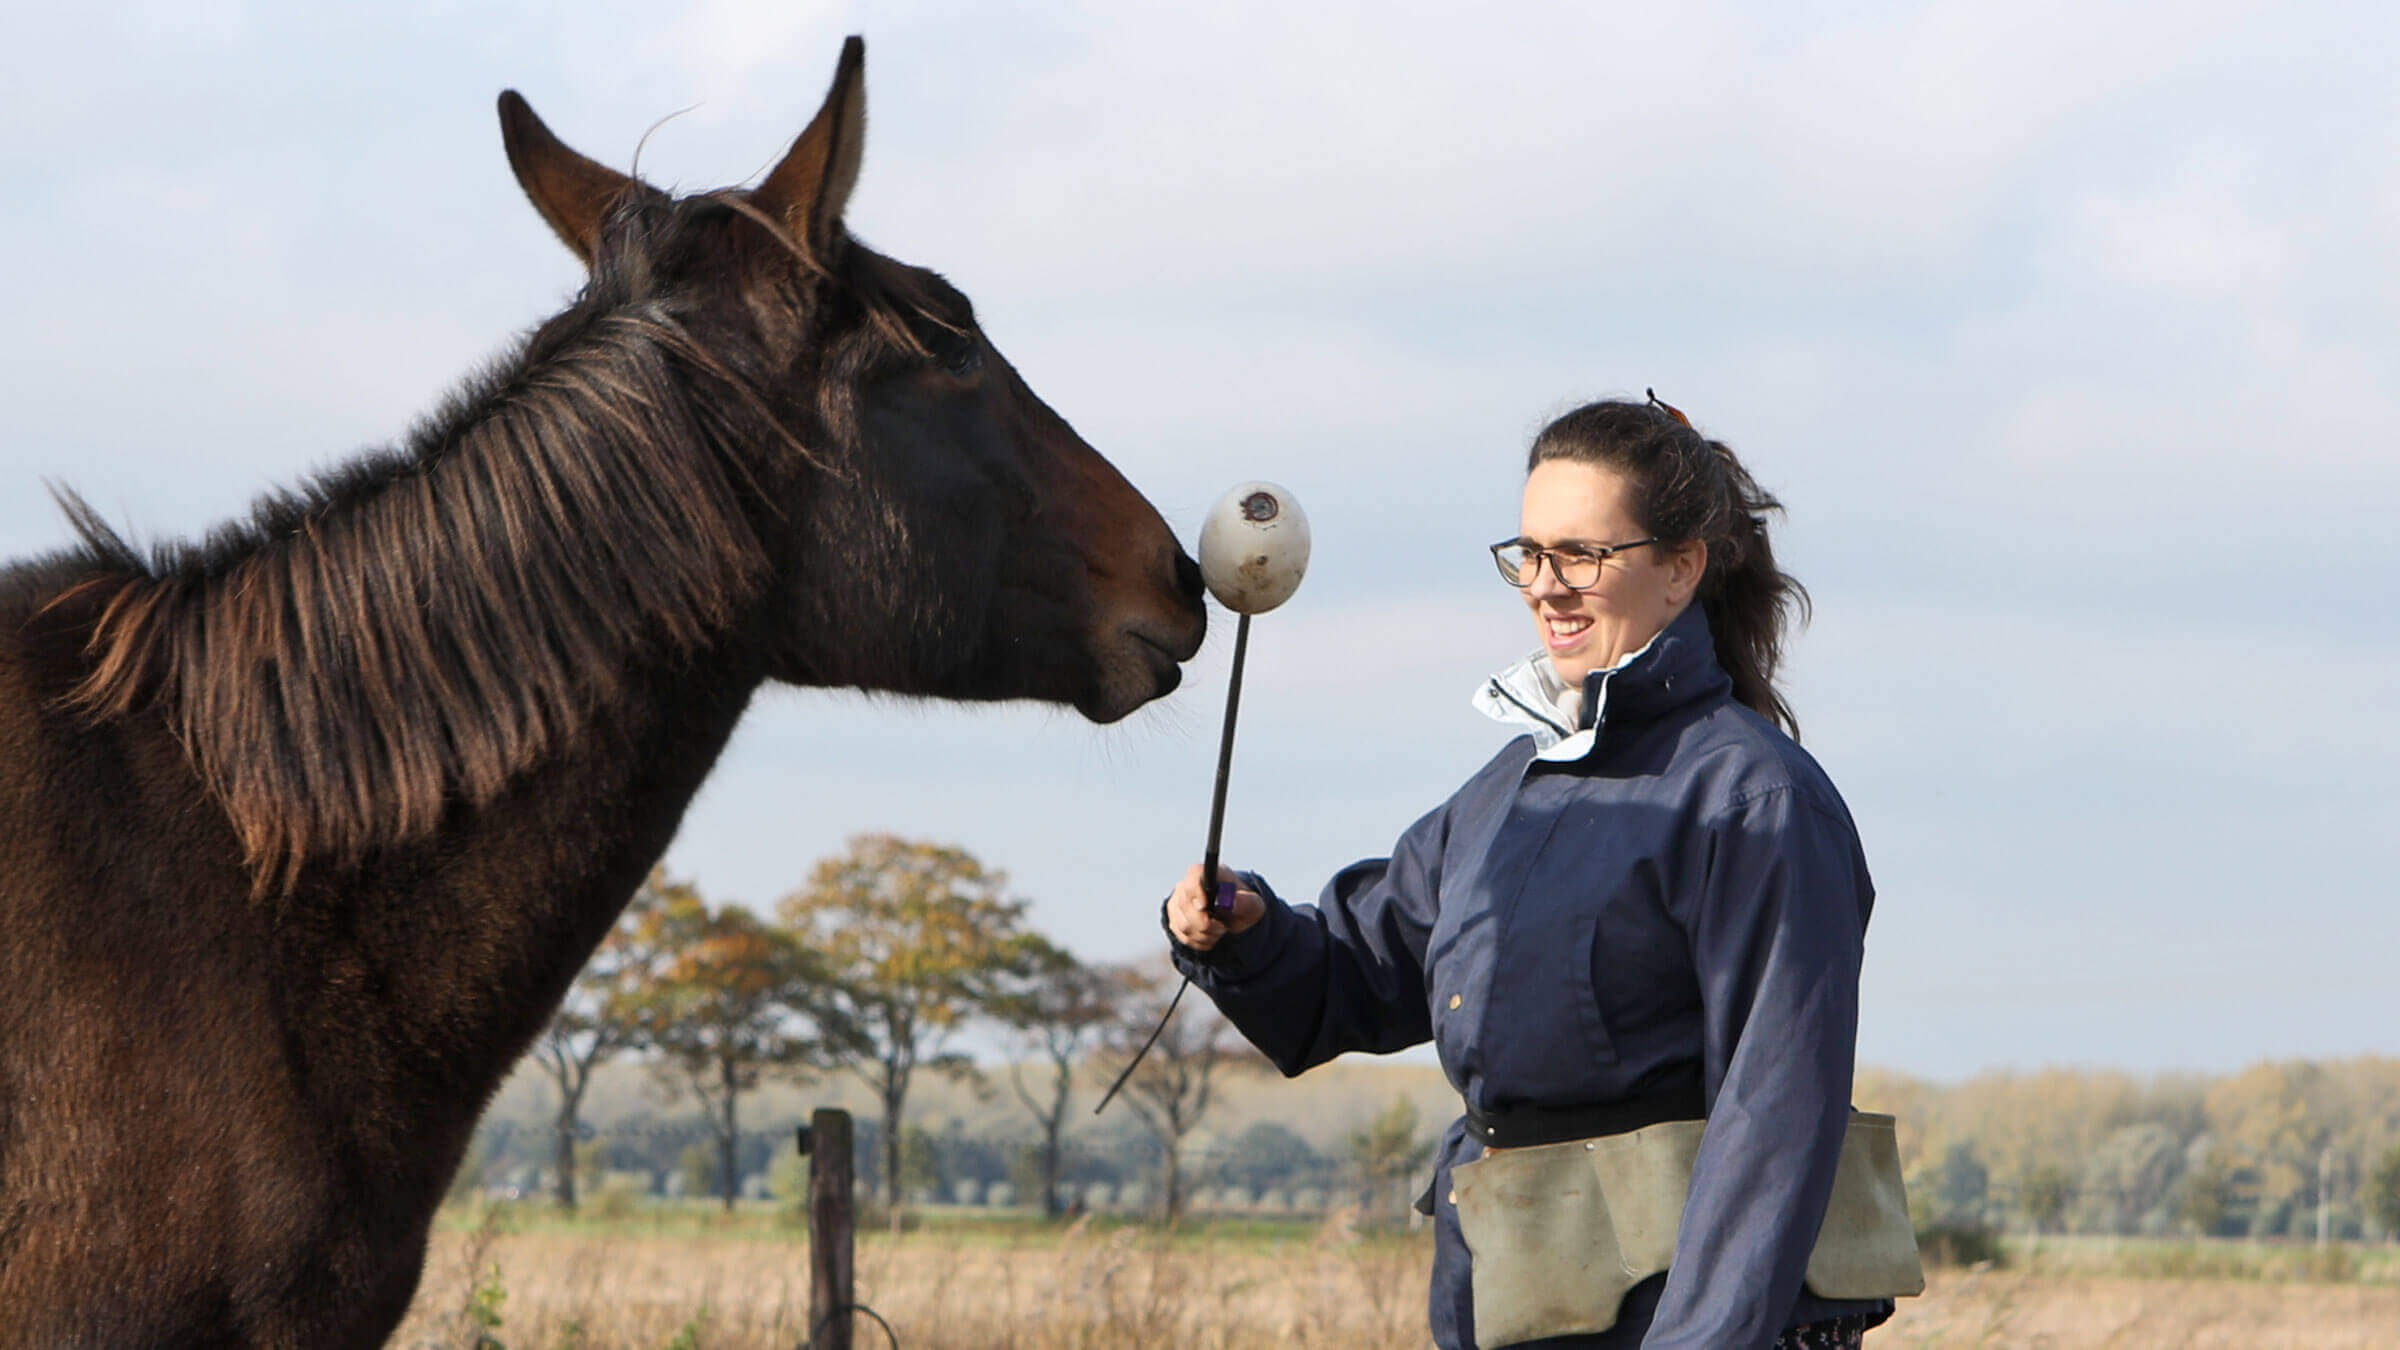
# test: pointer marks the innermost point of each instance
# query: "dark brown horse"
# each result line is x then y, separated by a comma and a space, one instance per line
305, 830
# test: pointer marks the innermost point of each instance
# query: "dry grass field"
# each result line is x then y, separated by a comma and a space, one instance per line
743, 1286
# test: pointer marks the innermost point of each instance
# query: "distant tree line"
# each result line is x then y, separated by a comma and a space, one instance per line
875, 968
678, 1155
2293, 1149
894, 949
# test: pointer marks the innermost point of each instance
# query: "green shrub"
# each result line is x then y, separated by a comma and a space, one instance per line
484, 1302
618, 1198
1958, 1244
687, 1336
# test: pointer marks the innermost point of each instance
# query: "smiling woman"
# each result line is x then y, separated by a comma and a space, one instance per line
1617, 470
1634, 938
305, 830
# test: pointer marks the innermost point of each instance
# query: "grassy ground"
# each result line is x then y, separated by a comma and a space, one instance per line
2176, 1259
691, 1279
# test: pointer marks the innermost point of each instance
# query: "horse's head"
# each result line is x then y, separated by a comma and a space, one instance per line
934, 528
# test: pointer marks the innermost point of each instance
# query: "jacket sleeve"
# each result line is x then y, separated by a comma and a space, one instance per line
1777, 929
1309, 982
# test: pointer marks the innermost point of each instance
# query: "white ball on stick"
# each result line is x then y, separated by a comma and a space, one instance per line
1254, 547
1253, 552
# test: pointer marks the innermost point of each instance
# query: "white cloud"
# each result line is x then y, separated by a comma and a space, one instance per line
2197, 235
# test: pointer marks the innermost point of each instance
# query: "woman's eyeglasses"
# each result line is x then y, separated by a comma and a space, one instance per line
1577, 566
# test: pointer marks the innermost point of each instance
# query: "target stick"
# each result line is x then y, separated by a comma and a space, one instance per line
1253, 552
1220, 893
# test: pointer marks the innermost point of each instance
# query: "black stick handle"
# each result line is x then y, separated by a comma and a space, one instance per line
1220, 898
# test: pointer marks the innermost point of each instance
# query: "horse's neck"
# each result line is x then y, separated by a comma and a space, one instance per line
467, 943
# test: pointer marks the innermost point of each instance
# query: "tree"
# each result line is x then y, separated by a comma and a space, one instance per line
2271, 1117
2044, 1191
599, 1019
1269, 1153
1960, 1187
1388, 1154
2127, 1178
920, 1162
2204, 1195
918, 939
2029, 1126
731, 998
1171, 1090
1059, 1013
2383, 1192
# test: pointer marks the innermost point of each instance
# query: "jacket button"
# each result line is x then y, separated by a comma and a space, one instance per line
1454, 1001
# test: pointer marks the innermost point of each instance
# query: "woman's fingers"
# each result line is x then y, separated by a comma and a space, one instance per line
1248, 907
1188, 916
1199, 927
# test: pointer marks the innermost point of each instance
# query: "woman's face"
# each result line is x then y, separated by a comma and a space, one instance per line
1639, 592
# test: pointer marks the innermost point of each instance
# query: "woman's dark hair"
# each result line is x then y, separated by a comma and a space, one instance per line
1686, 487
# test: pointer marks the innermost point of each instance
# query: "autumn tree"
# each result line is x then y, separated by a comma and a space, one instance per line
918, 939
1059, 1010
1173, 1085
731, 998
599, 1019
2270, 1117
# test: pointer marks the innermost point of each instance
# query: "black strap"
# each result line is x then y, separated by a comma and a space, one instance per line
1526, 1126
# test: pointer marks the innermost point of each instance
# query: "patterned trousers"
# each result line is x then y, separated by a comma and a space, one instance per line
1836, 1333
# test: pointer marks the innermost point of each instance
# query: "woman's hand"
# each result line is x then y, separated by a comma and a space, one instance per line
1195, 925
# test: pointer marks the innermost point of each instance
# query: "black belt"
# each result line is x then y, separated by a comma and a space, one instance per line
1526, 1126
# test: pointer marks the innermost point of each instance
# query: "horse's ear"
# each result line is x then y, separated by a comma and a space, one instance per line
808, 190
573, 193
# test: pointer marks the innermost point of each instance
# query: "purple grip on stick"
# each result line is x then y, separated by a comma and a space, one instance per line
1220, 906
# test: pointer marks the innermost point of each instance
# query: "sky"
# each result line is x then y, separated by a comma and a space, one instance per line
2064, 331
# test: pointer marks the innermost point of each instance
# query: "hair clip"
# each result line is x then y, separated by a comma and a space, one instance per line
1668, 408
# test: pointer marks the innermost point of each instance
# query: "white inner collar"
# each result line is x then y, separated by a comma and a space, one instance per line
1515, 694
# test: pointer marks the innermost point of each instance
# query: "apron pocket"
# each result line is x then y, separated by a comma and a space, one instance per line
1557, 1233
1867, 1247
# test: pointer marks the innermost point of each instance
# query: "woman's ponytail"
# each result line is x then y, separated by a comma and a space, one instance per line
1749, 601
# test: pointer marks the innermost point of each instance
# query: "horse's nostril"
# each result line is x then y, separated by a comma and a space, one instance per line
1187, 576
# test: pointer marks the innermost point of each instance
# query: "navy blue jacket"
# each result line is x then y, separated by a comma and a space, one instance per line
1678, 888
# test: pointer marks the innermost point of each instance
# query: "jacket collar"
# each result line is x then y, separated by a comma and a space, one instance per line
1677, 667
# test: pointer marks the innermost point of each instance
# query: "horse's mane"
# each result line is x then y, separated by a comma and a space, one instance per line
423, 624
429, 621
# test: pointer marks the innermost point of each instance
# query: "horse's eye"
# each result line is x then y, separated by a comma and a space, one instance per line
965, 355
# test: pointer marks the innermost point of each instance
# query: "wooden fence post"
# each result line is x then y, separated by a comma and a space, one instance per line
832, 1229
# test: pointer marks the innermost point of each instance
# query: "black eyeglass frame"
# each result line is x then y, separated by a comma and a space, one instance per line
1523, 577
